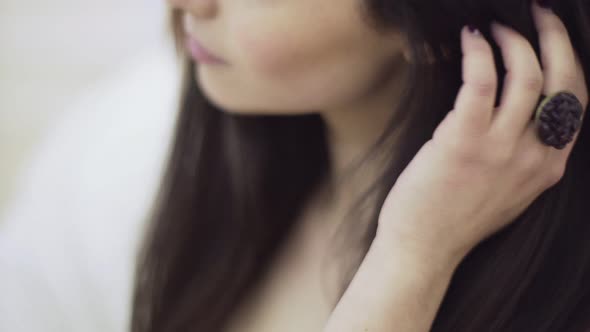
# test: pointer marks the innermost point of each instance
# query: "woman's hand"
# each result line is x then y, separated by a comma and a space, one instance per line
481, 169
485, 165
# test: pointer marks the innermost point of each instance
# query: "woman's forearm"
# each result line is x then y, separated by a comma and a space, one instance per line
394, 290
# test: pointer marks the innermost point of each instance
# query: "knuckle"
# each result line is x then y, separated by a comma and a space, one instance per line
467, 151
501, 155
533, 161
501, 144
567, 79
534, 81
484, 87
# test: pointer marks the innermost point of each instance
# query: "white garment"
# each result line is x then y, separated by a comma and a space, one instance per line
69, 237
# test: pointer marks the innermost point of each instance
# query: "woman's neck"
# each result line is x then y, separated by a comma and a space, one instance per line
354, 128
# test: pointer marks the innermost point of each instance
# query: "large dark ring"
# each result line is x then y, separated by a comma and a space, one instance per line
558, 118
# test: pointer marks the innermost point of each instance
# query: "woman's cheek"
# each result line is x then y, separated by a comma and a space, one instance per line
270, 52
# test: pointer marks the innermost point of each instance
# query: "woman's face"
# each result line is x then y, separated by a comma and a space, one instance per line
288, 56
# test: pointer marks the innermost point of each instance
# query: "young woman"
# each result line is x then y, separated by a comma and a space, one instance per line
375, 165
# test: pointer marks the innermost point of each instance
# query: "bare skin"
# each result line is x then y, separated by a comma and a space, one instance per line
268, 59
461, 187
348, 73
298, 293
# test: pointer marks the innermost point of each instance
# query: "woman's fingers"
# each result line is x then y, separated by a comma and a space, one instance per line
562, 68
525, 80
475, 102
522, 87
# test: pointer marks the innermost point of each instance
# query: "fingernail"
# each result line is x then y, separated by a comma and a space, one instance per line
544, 3
473, 29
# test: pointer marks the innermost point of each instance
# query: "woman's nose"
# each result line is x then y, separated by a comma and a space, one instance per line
198, 8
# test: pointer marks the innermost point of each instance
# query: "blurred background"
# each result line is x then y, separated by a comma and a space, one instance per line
87, 106
52, 52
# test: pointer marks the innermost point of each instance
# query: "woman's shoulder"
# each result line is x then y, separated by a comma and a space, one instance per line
69, 235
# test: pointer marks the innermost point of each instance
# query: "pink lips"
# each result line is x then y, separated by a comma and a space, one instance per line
199, 53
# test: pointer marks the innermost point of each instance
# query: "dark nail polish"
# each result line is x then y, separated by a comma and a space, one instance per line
544, 3
473, 29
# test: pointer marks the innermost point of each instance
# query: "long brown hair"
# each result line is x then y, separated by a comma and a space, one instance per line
235, 186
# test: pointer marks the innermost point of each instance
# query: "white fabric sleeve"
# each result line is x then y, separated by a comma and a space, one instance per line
69, 236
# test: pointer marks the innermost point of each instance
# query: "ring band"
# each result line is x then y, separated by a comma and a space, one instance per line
558, 118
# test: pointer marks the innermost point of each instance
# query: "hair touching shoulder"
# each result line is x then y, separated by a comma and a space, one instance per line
217, 225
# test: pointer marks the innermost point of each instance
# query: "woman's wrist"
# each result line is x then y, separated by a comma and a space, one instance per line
428, 259
395, 288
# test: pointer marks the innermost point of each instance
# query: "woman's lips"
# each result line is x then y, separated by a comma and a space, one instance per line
200, 53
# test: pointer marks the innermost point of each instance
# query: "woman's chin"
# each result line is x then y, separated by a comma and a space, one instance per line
236, 103
216, 94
